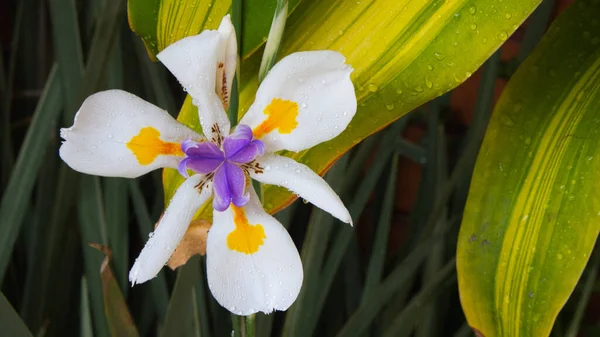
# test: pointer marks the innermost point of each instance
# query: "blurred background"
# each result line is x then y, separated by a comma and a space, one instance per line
393, 275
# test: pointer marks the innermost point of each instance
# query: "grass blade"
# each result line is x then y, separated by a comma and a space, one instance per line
39, 263
158, 285
104, 39
363, 317
117, 220
179, 320
538, 23
234, 102
274, 39
86, 329
313, 250
11, 323
17, 194
7, 96
93, 230
67, 49
116, 197
377, 261
401, 326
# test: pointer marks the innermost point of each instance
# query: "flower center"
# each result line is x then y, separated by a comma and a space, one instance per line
226, 164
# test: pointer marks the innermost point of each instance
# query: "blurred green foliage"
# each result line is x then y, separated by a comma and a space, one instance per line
392, 276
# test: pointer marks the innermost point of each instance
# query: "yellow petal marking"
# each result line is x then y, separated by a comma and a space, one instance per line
245, 238
281, 115
147, 145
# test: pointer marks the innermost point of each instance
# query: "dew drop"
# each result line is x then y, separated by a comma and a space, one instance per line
110, 136
473, 10
268, 168
419, 89
438, 56
503, 36
484, 41
399, 91
373, 87
473, 26
389, 106
428, 83
508, 15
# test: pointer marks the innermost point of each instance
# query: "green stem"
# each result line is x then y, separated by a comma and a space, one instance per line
250, 325
236, 20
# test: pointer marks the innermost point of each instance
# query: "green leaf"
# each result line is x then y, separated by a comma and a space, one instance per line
531, 218
160, 294
403, 56
274, 39
161, 22
93, 231
18, 192
381, 294
180, 319
11, 323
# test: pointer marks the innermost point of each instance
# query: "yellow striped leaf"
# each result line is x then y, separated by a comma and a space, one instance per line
162, 22
404, 54
533, 211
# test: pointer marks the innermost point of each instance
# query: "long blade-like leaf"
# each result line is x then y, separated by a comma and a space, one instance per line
11, 323
17, 194
403, 55
531, 218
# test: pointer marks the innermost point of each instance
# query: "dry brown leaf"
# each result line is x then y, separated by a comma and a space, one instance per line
117, 313
194, 242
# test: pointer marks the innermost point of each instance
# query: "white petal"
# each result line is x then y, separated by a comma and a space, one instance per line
193, 60
314, 85
268, 279
227, 60
101, 140
300, 179
171, 229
